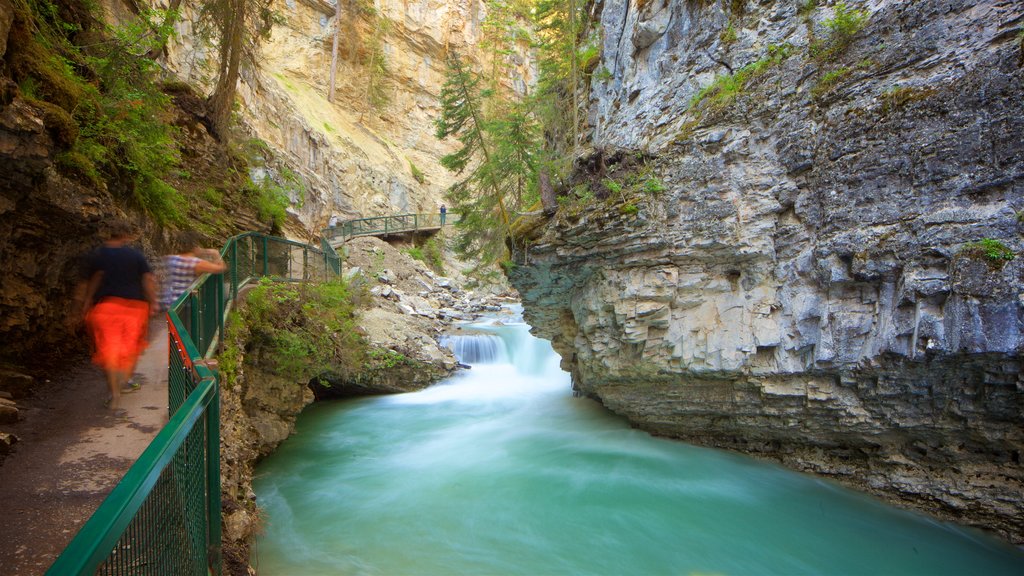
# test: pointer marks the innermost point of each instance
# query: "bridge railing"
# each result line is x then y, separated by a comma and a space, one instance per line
164, 515
385, 225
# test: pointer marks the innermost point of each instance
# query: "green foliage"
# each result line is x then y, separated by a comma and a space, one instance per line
499, 141
990, 250
417, 174
653, 185
270, 200
376, 63
415, 252
102, 103
897, 97
629, 209
844, 25
297, 330
386, 359
603, 74
807, 8
725, 89
829, 81
729, 35
433, 255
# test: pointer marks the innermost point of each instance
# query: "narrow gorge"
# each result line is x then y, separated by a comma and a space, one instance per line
806, 248
789, 229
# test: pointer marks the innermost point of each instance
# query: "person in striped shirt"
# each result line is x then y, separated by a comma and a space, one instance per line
188, 263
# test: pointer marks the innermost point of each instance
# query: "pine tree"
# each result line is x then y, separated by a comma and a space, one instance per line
496, 156
240, 26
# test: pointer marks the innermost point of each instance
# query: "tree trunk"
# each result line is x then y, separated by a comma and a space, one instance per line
547, 192
334, 50
222, 100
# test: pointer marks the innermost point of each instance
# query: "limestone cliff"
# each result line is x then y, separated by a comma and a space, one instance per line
801, 279
358, 158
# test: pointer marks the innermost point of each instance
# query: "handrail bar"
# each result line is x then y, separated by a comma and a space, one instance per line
81, 556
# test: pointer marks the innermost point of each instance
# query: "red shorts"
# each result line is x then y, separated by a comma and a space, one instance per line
120, 329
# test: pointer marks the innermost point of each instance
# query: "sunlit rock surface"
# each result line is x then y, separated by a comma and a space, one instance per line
357, 159
801, 289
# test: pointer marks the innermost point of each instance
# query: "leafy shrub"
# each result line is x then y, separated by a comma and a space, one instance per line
728, 36
417, 174
990, 250
844, 25
653, 185
100, 101
270, 200
296, 330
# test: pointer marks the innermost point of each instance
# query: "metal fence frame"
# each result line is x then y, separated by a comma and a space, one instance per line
163, 517
384, 225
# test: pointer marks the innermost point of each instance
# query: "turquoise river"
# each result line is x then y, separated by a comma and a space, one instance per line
499, 470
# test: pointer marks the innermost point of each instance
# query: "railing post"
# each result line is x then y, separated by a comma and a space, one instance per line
213, 546
266, 270
416, 222
221, 307
196, 319
234, 270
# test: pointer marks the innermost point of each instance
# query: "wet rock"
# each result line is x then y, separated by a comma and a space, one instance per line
802, 289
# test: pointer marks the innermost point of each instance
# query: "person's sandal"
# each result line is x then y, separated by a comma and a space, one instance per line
130, 386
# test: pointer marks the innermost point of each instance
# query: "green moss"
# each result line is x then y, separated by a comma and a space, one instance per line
729, 35
991, 251
59, 124
725, 89
76, 164
299, 331
828, 81
899, 96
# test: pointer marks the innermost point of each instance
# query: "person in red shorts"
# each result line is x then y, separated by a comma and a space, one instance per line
115, 298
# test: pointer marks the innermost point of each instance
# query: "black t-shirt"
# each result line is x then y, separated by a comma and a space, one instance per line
122, 268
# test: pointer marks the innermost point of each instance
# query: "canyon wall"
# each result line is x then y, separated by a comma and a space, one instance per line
357, 158
824, 267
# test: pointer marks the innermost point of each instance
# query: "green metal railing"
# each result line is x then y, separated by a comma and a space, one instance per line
163, 517
384, 225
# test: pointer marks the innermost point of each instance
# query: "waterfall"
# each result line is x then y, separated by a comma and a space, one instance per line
477, 348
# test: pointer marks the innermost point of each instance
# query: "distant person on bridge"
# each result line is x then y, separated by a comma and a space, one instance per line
333, 222
115, 298
444, 212
190, 262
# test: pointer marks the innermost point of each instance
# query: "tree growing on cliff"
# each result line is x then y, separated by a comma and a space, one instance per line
496, 155
239, 27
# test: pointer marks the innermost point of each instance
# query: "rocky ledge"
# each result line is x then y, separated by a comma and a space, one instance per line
829, 276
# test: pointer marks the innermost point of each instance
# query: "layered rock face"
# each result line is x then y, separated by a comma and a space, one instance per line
357, 158
805, 287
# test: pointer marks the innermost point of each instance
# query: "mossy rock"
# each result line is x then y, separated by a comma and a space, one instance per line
59, 124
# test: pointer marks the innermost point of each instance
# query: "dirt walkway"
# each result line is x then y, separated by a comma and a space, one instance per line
71, 453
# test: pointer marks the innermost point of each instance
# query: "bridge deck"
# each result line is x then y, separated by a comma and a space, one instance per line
383, 226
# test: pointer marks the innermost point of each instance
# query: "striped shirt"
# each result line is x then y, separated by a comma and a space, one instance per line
179, 273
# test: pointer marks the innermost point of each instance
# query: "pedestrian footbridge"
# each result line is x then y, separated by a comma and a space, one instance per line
384, 226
